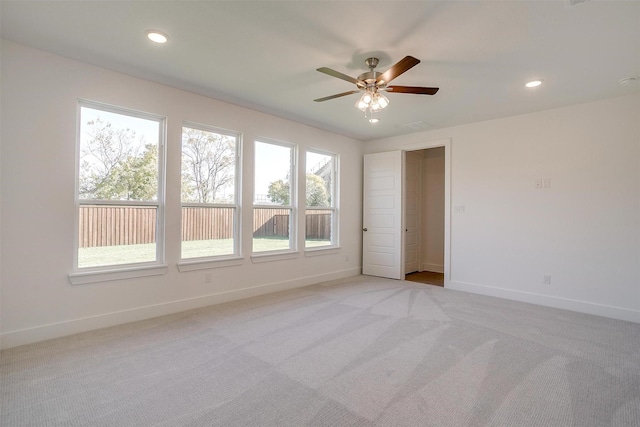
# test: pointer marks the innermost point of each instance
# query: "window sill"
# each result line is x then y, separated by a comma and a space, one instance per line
271, 256
325, 250
96, 276
209, 263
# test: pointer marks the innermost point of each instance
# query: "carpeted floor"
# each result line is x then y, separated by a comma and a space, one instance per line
357, 352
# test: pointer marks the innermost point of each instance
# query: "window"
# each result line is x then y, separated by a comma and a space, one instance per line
274, 197
210, 172
320, 203
119, 188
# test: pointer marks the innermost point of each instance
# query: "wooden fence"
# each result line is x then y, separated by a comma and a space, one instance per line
318, 225
116, 225
207, 223
129, 225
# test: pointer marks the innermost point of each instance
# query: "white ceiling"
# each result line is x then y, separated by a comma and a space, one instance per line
263, 54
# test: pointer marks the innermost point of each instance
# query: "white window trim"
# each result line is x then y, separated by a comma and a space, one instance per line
209, 263
322, 250
97, 276
216, 261
268, 256
86, 275
292, 252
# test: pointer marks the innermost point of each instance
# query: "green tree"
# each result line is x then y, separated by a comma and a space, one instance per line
279, 192
316, 191
208, 165
139, 178
114, 167
317, 194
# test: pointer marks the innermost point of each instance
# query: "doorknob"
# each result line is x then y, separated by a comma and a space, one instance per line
364, 229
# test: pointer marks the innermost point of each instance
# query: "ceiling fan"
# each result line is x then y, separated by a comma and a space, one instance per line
373, 83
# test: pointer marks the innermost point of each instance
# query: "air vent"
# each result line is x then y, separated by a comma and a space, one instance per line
417, 125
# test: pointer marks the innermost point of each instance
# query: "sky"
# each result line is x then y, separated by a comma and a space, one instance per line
272, 161
149, 129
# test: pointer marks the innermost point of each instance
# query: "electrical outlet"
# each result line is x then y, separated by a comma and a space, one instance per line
546, 279
538, 183
208, 278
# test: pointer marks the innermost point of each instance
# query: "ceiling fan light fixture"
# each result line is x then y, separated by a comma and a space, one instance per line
365, 101
372, 83
382, 100
372, 101
374, 120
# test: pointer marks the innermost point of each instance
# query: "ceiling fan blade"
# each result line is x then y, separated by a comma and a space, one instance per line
337, 74
413, 89
403, 65
326, 98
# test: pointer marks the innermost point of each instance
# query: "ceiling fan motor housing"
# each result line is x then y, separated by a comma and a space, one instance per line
368, 79
372, 62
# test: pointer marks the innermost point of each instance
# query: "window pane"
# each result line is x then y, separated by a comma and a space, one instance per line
118, 160
207, 231
118, 156
318, 227
271, 229
209, 162
272, 174
320, 182
208, 166
115, 235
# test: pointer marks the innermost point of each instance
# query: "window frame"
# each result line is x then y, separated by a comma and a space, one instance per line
292, 251
198, 263
335, 177
83, 275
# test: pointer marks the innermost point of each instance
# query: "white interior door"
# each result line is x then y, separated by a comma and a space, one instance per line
382, 215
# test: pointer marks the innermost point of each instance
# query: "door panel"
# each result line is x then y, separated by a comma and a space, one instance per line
382, 215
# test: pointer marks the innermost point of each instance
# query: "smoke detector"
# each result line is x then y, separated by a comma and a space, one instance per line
626, 81
571, 3
417, 125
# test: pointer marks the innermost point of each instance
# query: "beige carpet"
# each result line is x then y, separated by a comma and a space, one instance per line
358, 352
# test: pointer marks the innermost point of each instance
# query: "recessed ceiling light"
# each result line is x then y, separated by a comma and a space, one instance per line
533, 83
157, 36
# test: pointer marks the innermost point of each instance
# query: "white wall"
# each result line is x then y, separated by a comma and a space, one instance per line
583, 231
433, 210
40, 92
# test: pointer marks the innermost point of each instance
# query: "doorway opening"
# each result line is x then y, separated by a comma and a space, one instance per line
426, 277
424, 216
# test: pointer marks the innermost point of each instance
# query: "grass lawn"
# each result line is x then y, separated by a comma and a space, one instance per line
130, 254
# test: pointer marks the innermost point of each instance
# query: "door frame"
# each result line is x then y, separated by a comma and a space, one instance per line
446, 143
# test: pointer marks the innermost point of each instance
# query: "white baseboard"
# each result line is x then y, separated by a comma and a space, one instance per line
613, 312
436, 268
75, 326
